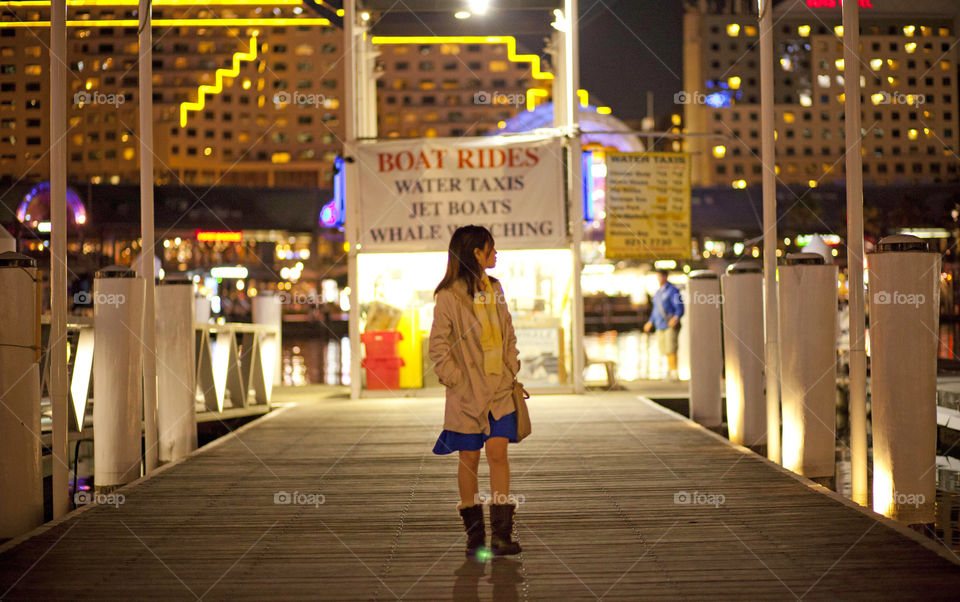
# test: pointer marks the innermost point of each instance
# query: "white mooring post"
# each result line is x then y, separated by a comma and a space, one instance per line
176, 370
21, 475
706, 357
904, 322
117, 382
808, 351
742, 288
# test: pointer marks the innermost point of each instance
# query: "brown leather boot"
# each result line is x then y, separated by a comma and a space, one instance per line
501, 526
473, 525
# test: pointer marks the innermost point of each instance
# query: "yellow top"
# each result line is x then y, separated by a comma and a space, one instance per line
491, 339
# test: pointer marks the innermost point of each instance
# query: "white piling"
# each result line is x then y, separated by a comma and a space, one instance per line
117, 384
706, 355
904, 278
21, 476
176, 370
268, 309
808, 353
742, 288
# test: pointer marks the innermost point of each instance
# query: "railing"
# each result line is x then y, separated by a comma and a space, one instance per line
235, 365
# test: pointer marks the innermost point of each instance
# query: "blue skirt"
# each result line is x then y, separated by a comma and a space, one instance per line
451, 441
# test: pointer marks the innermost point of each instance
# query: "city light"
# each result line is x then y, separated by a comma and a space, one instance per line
221, 73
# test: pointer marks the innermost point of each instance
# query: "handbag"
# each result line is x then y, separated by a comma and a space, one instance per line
520, 397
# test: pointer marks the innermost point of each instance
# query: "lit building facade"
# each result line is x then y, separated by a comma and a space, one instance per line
453, 86
908, 74
271, 116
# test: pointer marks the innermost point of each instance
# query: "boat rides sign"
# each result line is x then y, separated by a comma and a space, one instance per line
415, 193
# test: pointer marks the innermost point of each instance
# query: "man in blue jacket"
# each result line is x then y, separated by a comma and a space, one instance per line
667, 310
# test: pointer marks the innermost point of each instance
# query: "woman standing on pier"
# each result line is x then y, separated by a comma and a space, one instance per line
474, 351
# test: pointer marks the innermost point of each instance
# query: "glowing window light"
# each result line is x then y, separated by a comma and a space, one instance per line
789, 117
719, 151
734, 82
810, 184
221, 73
804, 31
839, 64
875, 64
462, 14
912, 134
739, 184
910, 47
733, 30
893, 63
838, 30
878, 98
909, 30
806, 100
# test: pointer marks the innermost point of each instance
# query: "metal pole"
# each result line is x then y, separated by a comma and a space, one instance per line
58, 253
574, 187
854, 178
146, 236
350, 190
771, 344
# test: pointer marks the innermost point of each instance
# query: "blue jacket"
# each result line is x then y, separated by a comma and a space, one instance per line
666, 304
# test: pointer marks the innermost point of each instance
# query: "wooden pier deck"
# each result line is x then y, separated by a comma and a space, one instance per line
601, 478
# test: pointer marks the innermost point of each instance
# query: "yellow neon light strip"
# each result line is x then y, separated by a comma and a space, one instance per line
176, 23
203, 90
510, 41
584, 98
159, 3
532, 95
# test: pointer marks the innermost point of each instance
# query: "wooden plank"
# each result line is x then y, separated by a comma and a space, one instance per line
600, 517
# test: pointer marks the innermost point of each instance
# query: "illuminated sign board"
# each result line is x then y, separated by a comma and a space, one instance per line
208, 236
836, 3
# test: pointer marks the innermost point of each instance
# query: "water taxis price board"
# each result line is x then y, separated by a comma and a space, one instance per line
648, 206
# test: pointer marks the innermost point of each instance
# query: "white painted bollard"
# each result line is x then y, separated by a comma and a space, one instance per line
742, 288
8, 244
117, 377
176, 369
706, 350
202, 309
808, 364
21, 476
268, 309
904, 279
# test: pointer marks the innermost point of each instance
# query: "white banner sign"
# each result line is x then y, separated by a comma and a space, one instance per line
415, 193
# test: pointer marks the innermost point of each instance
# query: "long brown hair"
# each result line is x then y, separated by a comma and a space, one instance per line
461, 262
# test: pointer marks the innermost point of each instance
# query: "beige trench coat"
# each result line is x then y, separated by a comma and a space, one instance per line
458, 361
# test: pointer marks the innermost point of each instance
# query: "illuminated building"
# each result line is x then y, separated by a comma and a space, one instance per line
274, 118
910, 104
454, 86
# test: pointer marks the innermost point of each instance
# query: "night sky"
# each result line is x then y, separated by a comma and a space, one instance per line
628, 47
